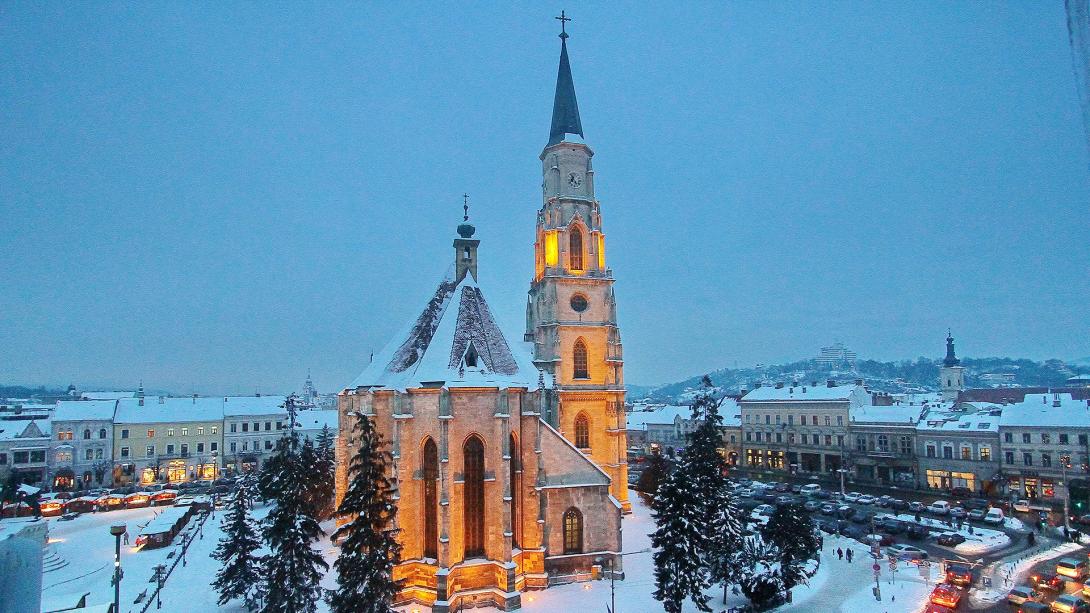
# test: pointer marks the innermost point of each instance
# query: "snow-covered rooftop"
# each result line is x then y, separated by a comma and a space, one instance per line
1041, 410
158, 409
316, 419
820, 393
661, 415
253, 405
945, 419
433, 348
896, 414
85, 410
20, 429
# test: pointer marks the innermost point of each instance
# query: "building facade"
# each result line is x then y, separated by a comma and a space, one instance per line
1044, 441
799, 428
251, 427
167, 440
883, 444
958, 448
83, 433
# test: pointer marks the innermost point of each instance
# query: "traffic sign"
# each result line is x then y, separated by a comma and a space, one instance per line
876, 567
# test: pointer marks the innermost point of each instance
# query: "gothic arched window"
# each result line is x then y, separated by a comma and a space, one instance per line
516, 490
430, 473
573, 531
473, 496
579, 360
582, 431
575, 249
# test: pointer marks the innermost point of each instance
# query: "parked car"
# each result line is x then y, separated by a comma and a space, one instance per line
822, 494
766, 496
827, 509
917, 506
1046, 581
1022, 506
69, 516
1070, 603
1033, 607
781, 500
976, 503
844, 511
950, 539
939, 507
783, 487
898, 505
892, 525
796, 489
961, 492
827, 527
946, 595
916, 532
811, 505
958, 513
1072, 568
1022, 594
852, 496
860, 517
884, 501
810, 489
765, 509
882, 539
866, 499
906, 552
745, 492
994, 516
976, 515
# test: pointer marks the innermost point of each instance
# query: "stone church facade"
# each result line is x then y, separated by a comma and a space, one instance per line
508, 454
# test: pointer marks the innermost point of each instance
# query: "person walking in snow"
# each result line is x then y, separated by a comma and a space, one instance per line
839, 553
125, 537
849, 554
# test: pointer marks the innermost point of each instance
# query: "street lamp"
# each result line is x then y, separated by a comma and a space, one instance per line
117, 530
1065, 463
842, 472
612, 586
159, 585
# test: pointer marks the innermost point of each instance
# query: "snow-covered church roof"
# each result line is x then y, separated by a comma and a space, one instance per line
455, 342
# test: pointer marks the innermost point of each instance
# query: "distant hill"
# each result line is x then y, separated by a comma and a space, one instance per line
907, 376
21, 391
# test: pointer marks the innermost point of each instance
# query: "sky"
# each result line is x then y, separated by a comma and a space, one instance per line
217, 199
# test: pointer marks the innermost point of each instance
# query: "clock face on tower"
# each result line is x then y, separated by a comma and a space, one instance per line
575, 179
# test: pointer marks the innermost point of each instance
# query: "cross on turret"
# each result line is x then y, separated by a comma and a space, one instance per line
563, 21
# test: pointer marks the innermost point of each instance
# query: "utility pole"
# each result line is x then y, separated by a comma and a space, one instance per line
117, 530
612, 584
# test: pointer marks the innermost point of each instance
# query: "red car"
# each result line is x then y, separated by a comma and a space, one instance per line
1047, 582
946, 595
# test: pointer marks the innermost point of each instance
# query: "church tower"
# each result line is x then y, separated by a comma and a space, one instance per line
952, 373
571, 312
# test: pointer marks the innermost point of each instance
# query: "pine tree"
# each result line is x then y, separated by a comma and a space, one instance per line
653, 475
293, 569
240, 576
792, 531
275, 470
760, 579
679, 542
727, 534
369, 549
325, 469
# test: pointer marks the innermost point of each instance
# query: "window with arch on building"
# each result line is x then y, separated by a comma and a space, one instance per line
102, 433
516, 489
573, 531
575, 251
883, 442
579, 360
430, 474
473, 497
582, 431
86, 434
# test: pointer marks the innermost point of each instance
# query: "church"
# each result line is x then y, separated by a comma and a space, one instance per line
509, 454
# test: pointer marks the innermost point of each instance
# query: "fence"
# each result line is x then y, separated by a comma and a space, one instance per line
150, 599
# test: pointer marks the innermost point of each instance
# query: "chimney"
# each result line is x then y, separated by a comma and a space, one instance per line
779, 385
813, 384
830, 383
140, 401
162, 400
804, 389
1056, 400
859, 382
194, 399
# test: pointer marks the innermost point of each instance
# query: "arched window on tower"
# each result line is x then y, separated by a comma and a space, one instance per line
575, 249
473, 497
579, 360
430, 473
582, 431
573, 531
516, 491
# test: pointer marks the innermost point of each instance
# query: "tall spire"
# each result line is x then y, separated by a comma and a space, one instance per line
951, 359
565, 108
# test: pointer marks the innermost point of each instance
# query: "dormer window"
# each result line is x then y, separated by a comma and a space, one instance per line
471, 356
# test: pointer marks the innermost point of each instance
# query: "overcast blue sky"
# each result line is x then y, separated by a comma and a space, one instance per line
217, 198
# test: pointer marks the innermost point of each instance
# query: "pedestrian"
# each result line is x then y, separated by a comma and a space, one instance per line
1032, 539
918, 517
970, 529
1067, 535
849, 554
839, 553
125, 537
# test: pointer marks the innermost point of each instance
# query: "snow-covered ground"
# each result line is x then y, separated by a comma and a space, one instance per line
88, 546
979, 542
1008, 573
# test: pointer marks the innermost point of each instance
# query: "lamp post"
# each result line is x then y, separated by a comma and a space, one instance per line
612, 587
842, 472
159, 585
1065, 463
117, 530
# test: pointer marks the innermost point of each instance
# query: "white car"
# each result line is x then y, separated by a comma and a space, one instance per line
866, 499
765, 509
1021, 506
939, 507
994, 516
810, 489
745, 493
852, 496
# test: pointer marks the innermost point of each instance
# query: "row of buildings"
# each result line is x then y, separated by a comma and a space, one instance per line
125, 438
1016, 442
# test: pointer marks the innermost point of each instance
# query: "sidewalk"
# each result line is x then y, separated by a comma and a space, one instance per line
1008, 571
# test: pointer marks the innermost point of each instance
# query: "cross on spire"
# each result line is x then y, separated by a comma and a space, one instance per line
563, 21
465, 207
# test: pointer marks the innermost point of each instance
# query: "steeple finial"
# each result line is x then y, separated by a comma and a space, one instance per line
465, 229
951, 359
565, 108
465, 207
